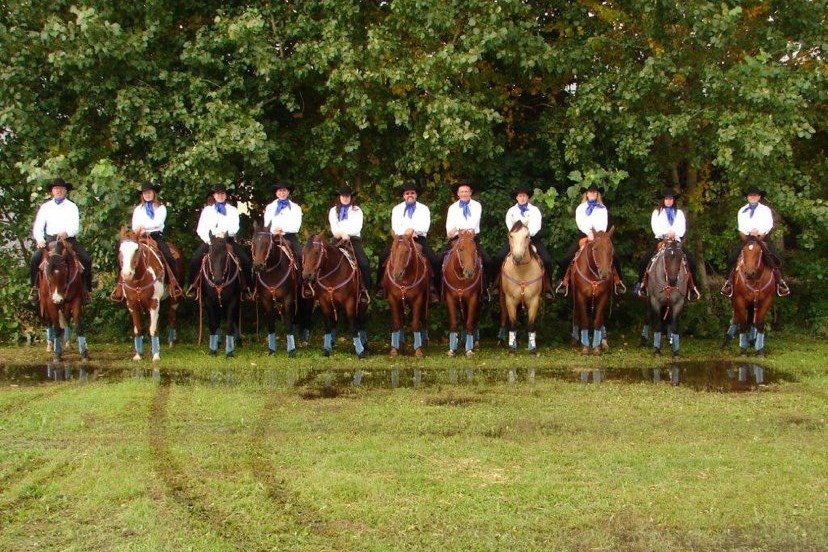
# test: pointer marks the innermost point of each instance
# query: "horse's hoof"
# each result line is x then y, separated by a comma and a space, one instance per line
512, 350
137, 357
271, 352
156, 357
213, 353
585, 351
362, 355
469, 353
450, 353
760, 352
533, 352
57, 358
303, 344
643, 342
326, 352
85, 356
574, 343
393, 352
604, 345
742, 352
291, 353
656, 352
676, 354
170, 344
418, 353
49, 346
597, 351
231, 354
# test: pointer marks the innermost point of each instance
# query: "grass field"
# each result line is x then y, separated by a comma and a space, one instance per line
495, 452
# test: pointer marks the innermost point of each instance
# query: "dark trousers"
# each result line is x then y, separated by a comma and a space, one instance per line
165, 250
543, 253
570, 254
80, 251
244, 261
429, 253
361, 259
644, 261
293, 240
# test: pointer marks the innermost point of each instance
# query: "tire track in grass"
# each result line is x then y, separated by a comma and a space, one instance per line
20, 403
31, 493
182, 489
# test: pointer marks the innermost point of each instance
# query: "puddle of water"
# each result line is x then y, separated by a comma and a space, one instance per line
723, 377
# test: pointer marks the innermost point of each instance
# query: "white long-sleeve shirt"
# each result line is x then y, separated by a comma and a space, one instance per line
289, 219
211, 221
140, 218
420, 220
762, 219
351, 226
455, 218
531, 219
661, 226
52, 219
596, 221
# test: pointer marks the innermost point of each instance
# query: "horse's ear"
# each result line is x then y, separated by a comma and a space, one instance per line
256, 227
210, 235
743, 236
611, 231
123, 232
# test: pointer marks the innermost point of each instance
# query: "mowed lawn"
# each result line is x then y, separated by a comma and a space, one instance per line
259, 453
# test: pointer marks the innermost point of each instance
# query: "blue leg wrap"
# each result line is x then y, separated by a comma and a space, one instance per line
172, 335
675, 342
214, 342
327, 342
58, 345
418, 339
229, 343
50, 333
596, 339
139, 344
585, 338
291, 342
155, 341
743, 341
396, 338
358, 347
645, 332
760, 341
305, 334
657, 340
574, 333
501, 334
363, 336
752, 333
512, 339
532, 344
81, 344
452, 341
470, 341
731, 330
271, 341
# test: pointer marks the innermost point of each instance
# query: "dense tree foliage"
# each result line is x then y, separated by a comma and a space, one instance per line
707, 96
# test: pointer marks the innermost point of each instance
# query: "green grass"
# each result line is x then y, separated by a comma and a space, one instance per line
266, 460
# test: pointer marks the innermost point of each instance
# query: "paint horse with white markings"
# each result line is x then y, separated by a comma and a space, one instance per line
144, 284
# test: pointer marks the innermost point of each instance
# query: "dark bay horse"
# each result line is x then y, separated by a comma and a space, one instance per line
667, 274
276, 277
61, 295
462, 288
333, 280
592, 283
407, 283
521, 284
143, 279
754, 285
218, 289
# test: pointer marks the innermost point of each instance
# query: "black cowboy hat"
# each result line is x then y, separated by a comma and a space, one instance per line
593, 188
218, 188
755, 190
668, 192
522, 190
462, 182
58, 182
282, 184
409, 186
149, 186
345, 190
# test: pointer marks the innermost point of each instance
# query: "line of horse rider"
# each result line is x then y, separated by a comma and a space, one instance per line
58, 223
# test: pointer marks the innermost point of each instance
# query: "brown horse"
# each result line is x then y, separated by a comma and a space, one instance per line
61, 295
462, 288
144, 285
592, 283
276, 278
406, 281
753, 288
333, 279
521, 283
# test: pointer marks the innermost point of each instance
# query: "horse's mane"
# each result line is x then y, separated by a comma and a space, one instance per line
517, 226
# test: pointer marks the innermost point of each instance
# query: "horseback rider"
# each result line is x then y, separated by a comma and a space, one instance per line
217, 217
283, 217
667, 221
756, 219
57, 219
410, 217
346, 219
148, 219
590, 216
465, 214
528, 214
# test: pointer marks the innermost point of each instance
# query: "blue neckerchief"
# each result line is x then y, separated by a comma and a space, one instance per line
282, 204
343, 212
523, 208
59, 200
750, 207
221, 208
592, 204
671, 214
149, 209
409, 210
466, 210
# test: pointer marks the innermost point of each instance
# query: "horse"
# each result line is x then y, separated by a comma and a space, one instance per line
753, 289
592, 282
331, 277
521, 284
144, 286
218, 287
276, 278
61, 295
462, 288
668, 277
406, 281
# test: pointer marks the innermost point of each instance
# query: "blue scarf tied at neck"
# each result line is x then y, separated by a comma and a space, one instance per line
343, 212
221, 208
59, 200
592, 204
523, 208
466, 210
282, 204
409, 210
751, 207
671, 214
148, 207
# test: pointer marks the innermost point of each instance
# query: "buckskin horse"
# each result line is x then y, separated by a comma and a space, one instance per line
462, 288
667, 275
276, 277
406, 281
753, 289
61, 295
521, 284
218, 288
144, 284
591, 277
332, 278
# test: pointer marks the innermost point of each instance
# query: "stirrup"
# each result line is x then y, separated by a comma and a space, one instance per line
562, 288
782, 289
695, 291
364, 296
727, 289
619, 288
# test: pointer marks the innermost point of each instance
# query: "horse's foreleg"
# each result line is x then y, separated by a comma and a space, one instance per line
269, 313
155, 341
502, 333
396, 306
352, 313
451, 306
598, 325
511, 314
472, 310
172, 321
330, 325
80, 330
676, 309
761, 313
213, 320
740, 318
232, 314
418, 308
137, 333
288, 324
582, 318
531, 315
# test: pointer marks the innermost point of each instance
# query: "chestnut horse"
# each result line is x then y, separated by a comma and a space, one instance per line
333, 279
218, 288
144, 284
521, 283
462, 288
407, 283
753, 290
61, 295
276, 277
592, 282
